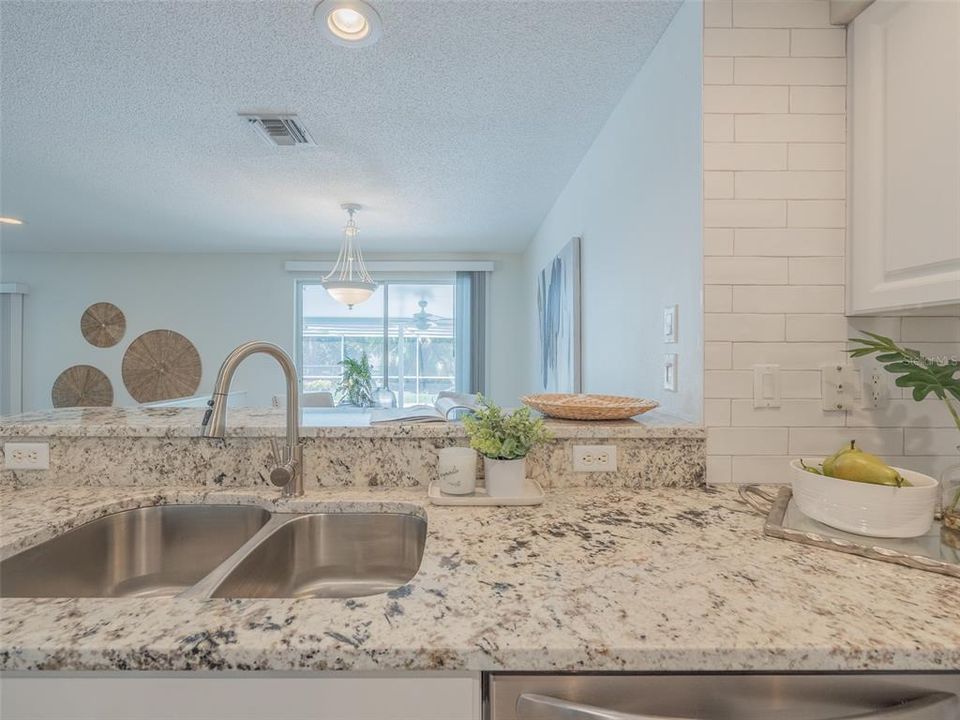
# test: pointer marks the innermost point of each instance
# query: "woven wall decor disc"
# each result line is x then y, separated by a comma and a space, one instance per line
82, 386
103, 324
161, 365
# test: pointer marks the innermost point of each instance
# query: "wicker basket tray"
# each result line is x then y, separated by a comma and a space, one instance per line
588, 407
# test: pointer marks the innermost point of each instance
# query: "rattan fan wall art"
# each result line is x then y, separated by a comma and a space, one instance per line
82, 386
161, 365
103, 324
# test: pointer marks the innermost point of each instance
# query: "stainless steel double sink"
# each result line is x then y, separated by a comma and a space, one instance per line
222, 551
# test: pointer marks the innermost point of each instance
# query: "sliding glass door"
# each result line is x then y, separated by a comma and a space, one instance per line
421, 338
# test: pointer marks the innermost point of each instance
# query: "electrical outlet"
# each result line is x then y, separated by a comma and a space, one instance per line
594, 458
875, 393
26, 456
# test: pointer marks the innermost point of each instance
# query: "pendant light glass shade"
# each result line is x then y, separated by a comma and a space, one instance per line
349, 282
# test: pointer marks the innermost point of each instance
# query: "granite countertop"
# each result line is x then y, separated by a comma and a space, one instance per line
167, 422
657, 580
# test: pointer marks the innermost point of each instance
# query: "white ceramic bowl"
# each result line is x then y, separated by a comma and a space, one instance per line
866, 509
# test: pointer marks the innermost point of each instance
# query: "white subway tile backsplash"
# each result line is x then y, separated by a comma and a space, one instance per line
744, 213
744, 156
886, 326
717, 299
717, 184
728, 384
716, 412
719, 468
717, 71
790, 128
789, 242
791, 413
792, 185
753, 327
930, 329
799, 384
817, 156
781, 13
932, 465
761, 470
932, 441
747, 441
817, 328
818, 43
745, 270
904, 412
816, 214
717, 128
789, 71
717, 13
789, 356
818, 100
717, 355
718, 241
806, 299
745, 99
816, 271
816, 443
746, 42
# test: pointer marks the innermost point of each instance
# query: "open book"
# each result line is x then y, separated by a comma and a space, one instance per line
445, 408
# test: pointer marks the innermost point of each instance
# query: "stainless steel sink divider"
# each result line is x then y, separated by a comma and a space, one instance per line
206, 586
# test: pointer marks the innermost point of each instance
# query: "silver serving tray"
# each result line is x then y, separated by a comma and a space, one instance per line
928, 552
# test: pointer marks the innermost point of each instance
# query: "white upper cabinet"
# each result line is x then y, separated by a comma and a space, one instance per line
904, 119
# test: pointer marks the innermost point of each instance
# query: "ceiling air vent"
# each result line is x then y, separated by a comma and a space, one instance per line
284, 130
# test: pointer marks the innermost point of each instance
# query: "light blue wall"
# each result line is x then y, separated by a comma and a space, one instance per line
217, 301
636, 201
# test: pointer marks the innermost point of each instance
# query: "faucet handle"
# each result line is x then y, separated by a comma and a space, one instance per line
284, 468
279, 457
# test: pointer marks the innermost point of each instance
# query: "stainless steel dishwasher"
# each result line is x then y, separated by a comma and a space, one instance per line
877, 696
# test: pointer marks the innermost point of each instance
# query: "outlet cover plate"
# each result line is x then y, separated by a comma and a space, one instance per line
26, 456
670, 372
594, 458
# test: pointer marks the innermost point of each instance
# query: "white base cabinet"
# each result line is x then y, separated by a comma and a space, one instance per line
239, 696
904, 147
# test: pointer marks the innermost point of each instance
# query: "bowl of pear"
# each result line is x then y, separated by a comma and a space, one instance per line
859, 493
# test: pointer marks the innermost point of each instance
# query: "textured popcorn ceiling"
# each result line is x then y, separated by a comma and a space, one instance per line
457, 130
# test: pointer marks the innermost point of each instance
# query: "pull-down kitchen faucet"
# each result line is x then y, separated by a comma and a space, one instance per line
287, 469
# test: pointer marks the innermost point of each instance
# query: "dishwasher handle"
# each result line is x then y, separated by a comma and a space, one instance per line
530, 706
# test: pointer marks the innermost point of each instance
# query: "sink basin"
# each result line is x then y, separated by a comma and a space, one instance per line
330, 555
147, 552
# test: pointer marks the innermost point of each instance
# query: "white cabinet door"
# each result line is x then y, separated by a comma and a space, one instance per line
240, 696
904, 121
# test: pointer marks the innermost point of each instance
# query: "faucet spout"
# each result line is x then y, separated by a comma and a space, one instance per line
288, 462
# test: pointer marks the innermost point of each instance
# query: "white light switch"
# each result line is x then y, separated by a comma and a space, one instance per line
839, 386
670, 324
766, 386
670, 372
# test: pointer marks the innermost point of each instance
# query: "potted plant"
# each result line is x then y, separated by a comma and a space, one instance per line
924, 376
356, 385
504, 440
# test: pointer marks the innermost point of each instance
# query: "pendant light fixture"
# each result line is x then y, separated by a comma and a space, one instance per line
349, 282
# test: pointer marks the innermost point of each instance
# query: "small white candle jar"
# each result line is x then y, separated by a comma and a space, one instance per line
457, 468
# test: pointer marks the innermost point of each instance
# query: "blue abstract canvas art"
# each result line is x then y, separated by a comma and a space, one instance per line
558, 303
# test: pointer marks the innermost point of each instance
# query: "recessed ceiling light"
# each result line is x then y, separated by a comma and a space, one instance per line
350, 23
4, 220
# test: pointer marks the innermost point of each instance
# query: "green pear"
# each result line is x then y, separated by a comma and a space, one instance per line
855, 465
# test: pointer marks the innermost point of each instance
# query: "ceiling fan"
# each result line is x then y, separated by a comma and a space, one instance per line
423, 320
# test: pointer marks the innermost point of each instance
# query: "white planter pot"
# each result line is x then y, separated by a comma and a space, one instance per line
504, 478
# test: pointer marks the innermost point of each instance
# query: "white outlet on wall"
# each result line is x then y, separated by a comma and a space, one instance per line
594, 458
26, 456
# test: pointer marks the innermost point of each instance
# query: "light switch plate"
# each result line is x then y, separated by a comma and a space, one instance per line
766, 386
26, 456
670, 372
670, 324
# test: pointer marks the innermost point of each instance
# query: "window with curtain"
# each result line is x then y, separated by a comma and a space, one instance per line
430, 337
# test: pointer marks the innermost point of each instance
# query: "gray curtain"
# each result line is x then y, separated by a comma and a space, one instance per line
471, 343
